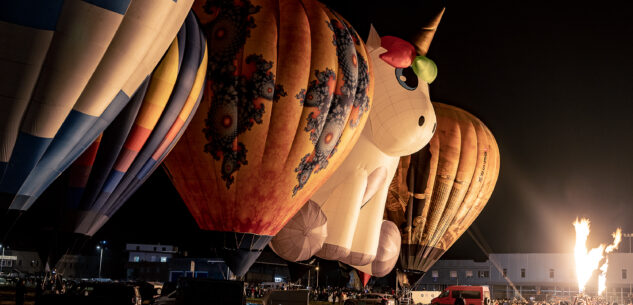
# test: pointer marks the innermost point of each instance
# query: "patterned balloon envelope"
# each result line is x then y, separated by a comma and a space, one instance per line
288, 89
69, 69
439, 191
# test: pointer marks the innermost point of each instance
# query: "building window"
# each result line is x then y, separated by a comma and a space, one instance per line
435, 274
551, 273
163, 259
137, 259
483, 274
138, 248
164, 249
522, 273
505, 272
624, 274
453, 274
469, 273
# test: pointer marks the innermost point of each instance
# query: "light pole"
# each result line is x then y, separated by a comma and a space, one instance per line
317, 269
2, 260
100, 258
100, 248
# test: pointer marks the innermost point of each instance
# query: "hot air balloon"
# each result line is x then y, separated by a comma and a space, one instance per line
288, 90
401, 123
137, 141
69, 67
439, 191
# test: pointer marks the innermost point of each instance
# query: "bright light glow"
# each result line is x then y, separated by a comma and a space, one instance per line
588, 261
602, 278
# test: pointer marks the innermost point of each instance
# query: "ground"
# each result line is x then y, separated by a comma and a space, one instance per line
7, 296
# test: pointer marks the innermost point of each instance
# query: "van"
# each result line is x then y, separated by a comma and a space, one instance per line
424, 297
473, 295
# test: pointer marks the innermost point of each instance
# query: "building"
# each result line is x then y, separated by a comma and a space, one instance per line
20, 261
162, 263
149, 262
150, 253
83, 267
539, 275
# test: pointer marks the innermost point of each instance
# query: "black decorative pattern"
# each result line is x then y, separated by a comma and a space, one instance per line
234, 106
325, 130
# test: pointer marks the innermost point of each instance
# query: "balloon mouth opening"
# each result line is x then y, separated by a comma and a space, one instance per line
238, 250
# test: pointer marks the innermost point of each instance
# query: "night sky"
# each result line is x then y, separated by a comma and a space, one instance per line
553, 80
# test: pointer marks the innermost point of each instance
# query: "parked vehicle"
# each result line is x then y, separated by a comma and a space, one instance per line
472, 295
169, 299
116, 293
424, 297
372, 298
287, 297
97, 294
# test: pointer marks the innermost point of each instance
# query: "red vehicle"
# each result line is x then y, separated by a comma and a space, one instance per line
472, 295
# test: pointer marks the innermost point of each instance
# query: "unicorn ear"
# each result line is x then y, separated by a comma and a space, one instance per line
373, 40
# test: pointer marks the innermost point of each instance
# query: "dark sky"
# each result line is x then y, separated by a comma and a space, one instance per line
553, 80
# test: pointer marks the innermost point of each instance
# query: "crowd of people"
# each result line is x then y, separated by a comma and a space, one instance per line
332, 295
585, 300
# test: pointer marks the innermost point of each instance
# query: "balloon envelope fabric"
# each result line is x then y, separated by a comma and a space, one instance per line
136, 141
303, 235
437, 193
289, 86
70, 68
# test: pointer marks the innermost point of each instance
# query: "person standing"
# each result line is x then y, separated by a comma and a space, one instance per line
20, 290
460, 300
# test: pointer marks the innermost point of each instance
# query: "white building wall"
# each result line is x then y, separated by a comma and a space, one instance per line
617, 263
537, 280
537, 267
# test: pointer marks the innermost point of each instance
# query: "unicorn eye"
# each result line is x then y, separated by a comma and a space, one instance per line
407, 78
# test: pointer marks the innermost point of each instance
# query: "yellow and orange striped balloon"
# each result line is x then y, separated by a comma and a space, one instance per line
439, 191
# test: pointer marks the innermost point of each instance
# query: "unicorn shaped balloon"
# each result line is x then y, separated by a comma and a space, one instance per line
401, 122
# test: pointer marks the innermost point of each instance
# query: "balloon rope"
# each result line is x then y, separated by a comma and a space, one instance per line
485, 248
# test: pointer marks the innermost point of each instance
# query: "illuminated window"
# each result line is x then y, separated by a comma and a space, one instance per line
435, 274
469, 273
453, 274
163, 259
137, 259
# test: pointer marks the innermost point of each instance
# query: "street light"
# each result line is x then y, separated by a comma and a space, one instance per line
100, 247
317, 270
